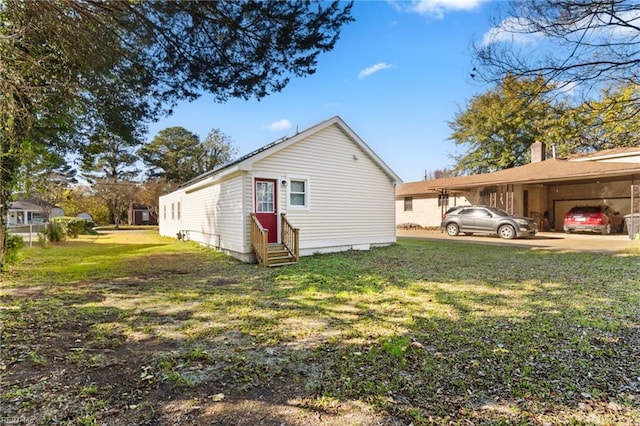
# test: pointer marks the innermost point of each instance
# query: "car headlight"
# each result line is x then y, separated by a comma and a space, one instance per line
522, 222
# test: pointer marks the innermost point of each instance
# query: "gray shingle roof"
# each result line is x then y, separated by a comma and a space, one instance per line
547, 171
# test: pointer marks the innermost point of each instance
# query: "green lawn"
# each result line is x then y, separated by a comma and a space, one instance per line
131, 328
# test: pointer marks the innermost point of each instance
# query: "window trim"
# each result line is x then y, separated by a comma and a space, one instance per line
408, 204
307, 193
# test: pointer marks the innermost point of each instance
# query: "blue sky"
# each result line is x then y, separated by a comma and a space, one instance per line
397, 75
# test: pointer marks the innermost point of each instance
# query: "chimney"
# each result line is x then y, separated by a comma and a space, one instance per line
537, 152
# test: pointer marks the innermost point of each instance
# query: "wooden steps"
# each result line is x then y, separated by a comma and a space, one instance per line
279, 256
286, 253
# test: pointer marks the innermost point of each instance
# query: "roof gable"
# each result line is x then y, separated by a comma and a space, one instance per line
246, 161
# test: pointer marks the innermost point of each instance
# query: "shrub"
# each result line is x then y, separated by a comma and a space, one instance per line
13, 251
409, 226
73, 226
55, 232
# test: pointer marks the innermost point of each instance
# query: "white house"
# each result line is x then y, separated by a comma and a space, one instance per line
319, 191
31, 210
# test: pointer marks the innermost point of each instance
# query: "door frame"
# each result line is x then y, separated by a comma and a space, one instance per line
276, 200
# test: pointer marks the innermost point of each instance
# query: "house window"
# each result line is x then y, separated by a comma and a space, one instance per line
488, 191
173, 211
299, 193
164, 211
178, 210
408, 204
443, 200
38, 217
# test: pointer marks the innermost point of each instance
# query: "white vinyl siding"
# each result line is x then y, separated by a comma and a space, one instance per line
353, 199
213, 215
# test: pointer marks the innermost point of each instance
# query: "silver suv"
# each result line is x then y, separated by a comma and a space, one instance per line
487, 220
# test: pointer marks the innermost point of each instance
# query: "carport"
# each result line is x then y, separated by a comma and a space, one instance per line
545, 189
614, 191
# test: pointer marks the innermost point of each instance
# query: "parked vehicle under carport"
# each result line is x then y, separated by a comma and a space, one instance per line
487, 220
601, 219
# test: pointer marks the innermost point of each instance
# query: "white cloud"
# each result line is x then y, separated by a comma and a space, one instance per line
279, 125
511, 30
373, 69
568, 88
437, 8
520, 31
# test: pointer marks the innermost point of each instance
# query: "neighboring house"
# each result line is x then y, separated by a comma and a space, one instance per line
140, 214
544, 189
31, 210
85, 216
322, 190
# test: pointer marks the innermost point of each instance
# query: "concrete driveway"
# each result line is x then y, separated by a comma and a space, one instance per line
543, 240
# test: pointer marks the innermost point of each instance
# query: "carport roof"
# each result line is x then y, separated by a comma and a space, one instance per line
548, 171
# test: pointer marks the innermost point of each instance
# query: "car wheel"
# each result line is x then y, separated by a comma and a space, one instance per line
453, 229
507, 232
607, 229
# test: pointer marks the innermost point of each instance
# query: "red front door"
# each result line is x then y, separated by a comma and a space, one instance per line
266, 207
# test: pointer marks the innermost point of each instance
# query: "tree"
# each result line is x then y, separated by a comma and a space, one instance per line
611, 121
82, 199
216, 149
47, 176
439, 174
499, 126
109, 164
171, 154
177, 155
149, 192
73, 68
574, 44
603, 123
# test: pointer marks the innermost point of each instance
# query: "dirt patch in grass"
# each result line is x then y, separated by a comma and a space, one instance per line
172, 334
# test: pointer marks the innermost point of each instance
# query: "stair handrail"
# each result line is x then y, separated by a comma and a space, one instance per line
259, 241
290, 237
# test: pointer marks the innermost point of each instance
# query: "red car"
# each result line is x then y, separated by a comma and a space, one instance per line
600, 219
